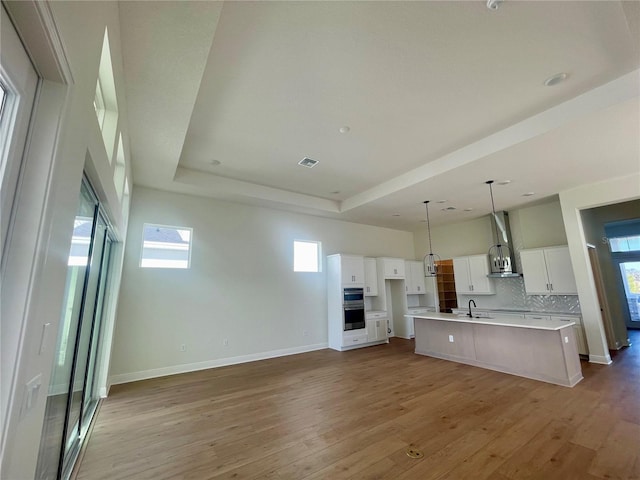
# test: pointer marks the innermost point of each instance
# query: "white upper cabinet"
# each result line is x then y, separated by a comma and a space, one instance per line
414, 283
352, 270
470, 275
392, 267
548, 271
370, 277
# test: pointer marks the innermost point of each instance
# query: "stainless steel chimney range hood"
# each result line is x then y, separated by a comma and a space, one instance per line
501, 254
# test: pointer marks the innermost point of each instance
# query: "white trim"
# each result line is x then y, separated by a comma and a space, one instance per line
220, 362
601, 359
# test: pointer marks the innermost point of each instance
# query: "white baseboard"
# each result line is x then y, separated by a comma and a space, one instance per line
601, 359
220, 362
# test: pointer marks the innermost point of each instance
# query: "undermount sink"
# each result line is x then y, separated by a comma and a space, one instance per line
464, 315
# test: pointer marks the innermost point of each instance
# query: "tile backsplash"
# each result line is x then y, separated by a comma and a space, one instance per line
510, 294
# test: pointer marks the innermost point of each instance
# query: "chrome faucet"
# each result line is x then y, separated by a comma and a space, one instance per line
470, 315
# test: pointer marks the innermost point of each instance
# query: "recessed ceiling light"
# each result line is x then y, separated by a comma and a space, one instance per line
215, 163
335, 192
440, 201
395, 215
308, 162
555, 79
528, 194
344, 129
504, 182
449, 209
468, 209
494, 4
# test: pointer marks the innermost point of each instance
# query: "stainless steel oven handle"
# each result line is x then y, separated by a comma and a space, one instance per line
354, 308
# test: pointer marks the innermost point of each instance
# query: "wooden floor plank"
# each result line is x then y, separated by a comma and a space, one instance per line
353, 415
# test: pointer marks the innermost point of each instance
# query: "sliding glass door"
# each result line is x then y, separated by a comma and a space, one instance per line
72, 397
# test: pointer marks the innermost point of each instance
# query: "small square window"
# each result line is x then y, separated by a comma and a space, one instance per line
165, 247
306, 256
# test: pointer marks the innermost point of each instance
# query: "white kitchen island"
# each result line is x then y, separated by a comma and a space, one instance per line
539, 349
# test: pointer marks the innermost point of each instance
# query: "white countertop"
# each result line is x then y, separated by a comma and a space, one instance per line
517, 310
503, 321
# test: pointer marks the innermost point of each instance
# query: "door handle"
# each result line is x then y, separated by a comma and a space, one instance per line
551, 286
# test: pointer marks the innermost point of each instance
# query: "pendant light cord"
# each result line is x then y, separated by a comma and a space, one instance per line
426, 203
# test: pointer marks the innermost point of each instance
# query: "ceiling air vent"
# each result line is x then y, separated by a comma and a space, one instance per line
307, 162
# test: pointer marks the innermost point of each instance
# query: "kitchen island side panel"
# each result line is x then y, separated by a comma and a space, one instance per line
523, 351
450, 340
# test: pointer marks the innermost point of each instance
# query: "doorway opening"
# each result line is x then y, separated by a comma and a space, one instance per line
625, 255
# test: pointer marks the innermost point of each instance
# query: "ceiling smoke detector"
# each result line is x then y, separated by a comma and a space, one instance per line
494, 4
308, 162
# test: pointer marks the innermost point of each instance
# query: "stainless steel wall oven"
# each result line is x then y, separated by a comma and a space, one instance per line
353, 308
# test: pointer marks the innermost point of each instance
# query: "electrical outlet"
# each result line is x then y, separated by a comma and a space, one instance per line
566, 339
451, 338
183, 348
225, 342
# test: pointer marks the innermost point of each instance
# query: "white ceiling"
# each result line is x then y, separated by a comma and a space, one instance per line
439, 97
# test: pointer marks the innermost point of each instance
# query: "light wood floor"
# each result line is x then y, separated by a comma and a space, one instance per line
353, 415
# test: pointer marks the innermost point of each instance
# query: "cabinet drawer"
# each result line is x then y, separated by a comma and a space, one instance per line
567, 318
354, 340
375, 315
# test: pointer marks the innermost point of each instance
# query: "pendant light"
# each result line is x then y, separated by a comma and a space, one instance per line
430, 260
499, 254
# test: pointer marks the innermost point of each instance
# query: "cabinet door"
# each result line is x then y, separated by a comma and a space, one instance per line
417, 277
372, 330
409, 285
370, 277
478, 271
461, 275
352, 270
393, 268
381, 326
560, 271
534, 269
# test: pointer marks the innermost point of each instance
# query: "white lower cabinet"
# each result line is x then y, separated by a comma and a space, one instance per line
376, 329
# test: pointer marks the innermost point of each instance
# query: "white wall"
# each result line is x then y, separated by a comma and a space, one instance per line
573, 201
65, 40
538, 226
241, 285
532, 227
